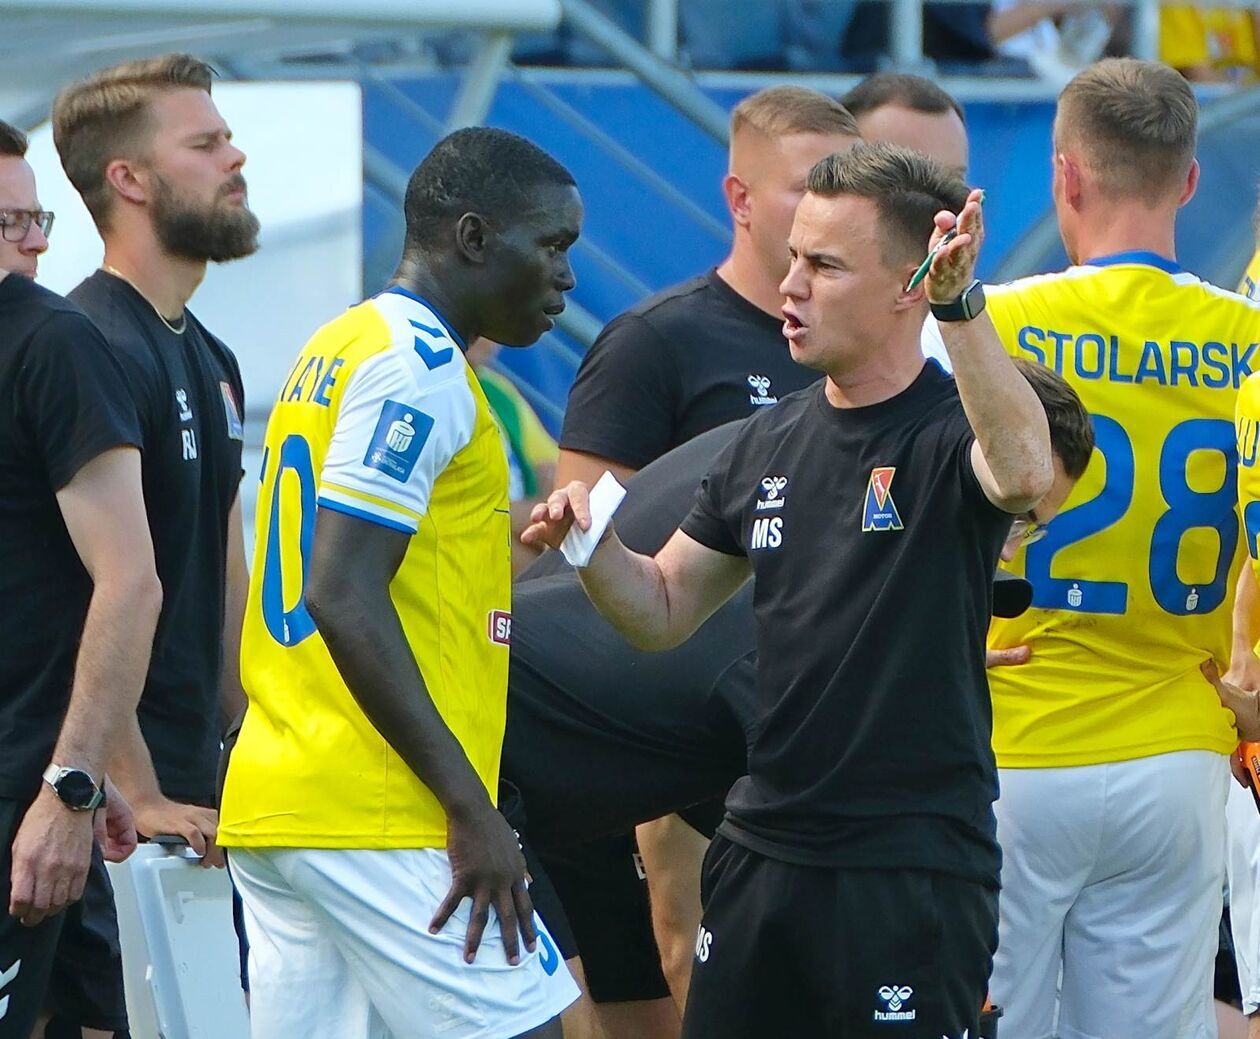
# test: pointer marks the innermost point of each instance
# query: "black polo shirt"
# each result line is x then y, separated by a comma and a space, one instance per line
63, 402
688, 359
190, 400
872, 546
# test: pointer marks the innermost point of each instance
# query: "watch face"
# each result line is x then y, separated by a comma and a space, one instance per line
76, 788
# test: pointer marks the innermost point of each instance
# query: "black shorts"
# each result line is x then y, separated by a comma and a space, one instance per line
70, 965
829, 952
604, 894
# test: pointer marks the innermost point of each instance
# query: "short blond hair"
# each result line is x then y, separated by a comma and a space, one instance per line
106, 115
1136, 123
779, 111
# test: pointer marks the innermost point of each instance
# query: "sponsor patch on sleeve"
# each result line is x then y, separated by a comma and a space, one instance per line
400, 435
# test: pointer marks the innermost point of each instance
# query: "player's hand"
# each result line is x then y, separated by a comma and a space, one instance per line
550, 520
50, 855
1244, 671
196, 825
1245, 704
115, 826
954, 267
1012, 656
487, 866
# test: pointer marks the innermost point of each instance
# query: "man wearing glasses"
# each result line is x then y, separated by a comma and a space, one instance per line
80, 602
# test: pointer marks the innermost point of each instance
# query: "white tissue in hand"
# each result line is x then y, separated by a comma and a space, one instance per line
606, 495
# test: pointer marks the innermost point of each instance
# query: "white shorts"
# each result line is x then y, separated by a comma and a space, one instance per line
1242, 867
340, 949
1111, 893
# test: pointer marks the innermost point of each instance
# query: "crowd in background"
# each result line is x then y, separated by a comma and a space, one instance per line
1049, 39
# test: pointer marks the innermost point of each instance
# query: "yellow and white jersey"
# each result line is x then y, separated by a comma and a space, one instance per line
1133, 582
381, 418
1250, 284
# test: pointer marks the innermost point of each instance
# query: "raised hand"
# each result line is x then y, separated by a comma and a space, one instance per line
954, 266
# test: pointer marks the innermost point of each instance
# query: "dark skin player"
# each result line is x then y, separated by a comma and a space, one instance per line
505, 283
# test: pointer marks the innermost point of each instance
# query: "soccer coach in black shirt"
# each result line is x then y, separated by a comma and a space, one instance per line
853, 883
79, 600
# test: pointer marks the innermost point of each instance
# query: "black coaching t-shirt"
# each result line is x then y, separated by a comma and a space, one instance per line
601, 736
872, 546
63, 402
681, 362
188, 393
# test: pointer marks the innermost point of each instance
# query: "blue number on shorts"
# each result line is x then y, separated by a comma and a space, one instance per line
1187, 509
548, 954
1081, 522
289, 627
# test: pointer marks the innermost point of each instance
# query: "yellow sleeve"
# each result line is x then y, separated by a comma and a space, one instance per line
1247, 428
1002, 306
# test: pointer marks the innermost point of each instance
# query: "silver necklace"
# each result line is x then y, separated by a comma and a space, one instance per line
183, 323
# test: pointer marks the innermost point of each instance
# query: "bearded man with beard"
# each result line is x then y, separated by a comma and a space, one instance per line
152, 158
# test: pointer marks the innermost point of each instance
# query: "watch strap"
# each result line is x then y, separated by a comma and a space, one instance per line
967, 305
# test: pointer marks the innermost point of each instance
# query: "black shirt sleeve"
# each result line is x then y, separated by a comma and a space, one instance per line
624, 402
712, 521
75, 400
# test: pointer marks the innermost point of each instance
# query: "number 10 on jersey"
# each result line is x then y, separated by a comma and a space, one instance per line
285, 564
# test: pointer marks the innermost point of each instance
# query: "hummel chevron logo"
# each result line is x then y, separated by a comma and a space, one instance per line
9, 975
432, 358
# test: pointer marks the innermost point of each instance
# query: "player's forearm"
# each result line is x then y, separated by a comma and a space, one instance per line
633, 595
236, 585
110, 669
1007, 418
131, 765
1246, 612
365, 638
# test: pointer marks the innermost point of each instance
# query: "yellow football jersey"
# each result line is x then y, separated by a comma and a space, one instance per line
382, 419
1250, 284
1133, 583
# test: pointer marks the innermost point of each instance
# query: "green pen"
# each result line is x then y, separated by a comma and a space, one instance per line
926, 265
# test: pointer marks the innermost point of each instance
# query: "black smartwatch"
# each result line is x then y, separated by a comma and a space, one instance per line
964, 308
75, 788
